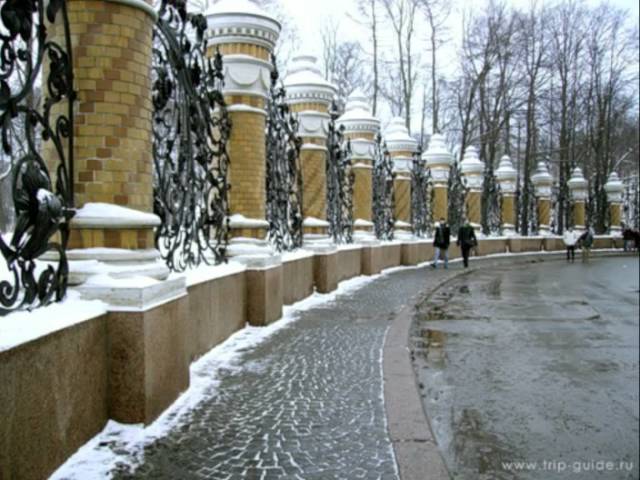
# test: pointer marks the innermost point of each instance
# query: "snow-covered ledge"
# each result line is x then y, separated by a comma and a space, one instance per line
133, 293
240, 222
105, 215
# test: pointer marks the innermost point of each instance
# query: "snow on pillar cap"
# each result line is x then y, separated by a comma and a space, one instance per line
614, 185
506, 172
242, 21
305, 82
471, 164
577, 180
358, 117
437, 154
397, 137
542, 176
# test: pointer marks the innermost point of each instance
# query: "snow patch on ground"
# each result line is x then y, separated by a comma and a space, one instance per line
124, 444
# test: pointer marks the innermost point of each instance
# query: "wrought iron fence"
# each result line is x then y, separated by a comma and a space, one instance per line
191, 129
340, 179
383, 192
42, 206
491, 206
421, 197
284, 176
457, 203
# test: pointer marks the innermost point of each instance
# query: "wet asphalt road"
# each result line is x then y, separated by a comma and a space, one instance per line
532, 372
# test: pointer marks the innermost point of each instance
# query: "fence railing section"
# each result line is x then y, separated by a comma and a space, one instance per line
191, 130
383, 192
36, 115
421, 197
284, 175
340, 180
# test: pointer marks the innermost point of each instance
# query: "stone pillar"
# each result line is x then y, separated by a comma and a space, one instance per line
578, 187
507, 177
401, 148
361, 127
246, 36
614, 189
113, 165
542, 182
472, 170
310, 96
439, 161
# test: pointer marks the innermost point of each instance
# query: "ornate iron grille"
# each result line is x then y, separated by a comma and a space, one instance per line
383, 192
421, 197
191, 129
457, 205
42, 209
340, 179
284, 176
491, 206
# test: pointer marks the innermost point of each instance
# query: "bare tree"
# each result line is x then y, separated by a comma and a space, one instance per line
368, 16
437, 13
402, 16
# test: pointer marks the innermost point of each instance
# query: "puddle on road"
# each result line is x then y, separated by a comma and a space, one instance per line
532, 365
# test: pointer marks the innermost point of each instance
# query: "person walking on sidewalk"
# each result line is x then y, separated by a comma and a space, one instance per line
570, 239
441, 242
466, 241
586, 242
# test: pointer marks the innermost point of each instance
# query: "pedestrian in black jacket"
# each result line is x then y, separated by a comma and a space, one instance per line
441, 242
466, 241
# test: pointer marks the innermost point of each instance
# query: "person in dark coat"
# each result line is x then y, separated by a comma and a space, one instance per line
441, 241
466, 241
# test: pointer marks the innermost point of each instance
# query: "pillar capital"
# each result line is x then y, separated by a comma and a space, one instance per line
246, 36
507, 176
578, 185
472, 169
438, 159
310, 96
542, 181
358, 121
614, 188
401, 145
242, 22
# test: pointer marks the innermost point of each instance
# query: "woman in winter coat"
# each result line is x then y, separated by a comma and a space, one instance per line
466, 240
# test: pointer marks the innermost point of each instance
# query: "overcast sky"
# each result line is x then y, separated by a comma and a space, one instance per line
310, 14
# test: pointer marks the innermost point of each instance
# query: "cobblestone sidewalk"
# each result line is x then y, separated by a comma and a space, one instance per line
308, 404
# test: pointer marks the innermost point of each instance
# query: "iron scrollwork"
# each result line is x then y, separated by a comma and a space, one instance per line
421, 197
340, 180
28, 56
383, 192
191, 129
284, 176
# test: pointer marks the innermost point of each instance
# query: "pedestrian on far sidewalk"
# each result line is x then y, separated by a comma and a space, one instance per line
466, 241
570, 239
441, 241
586, 242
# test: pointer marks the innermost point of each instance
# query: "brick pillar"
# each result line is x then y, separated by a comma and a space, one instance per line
507, 177
542, 182
472, 170
401, 148
614, 189
578, 187
361, 127
310, 96
246, 36
439, 161
111, 42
